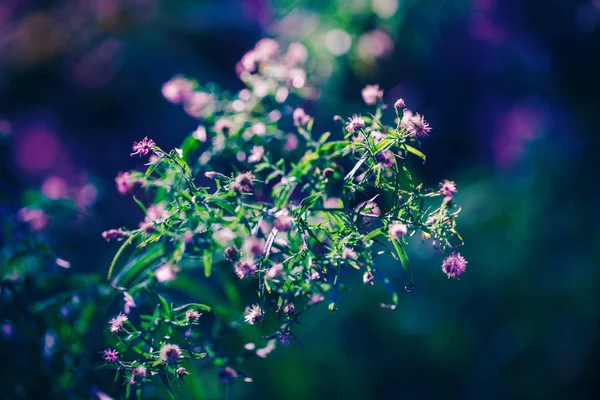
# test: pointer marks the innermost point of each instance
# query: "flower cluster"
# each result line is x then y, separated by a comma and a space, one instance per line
236, 200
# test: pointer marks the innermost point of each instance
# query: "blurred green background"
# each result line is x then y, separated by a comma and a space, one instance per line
511, 90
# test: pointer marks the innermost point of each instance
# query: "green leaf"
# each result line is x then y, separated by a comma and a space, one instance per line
415, 151
403, 258
168, 386
207, 256
165, 306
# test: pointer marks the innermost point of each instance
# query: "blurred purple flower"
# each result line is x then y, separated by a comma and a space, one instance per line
178, 89
143, 147
454, 265
110, 355
116, 323
253, 314
355, 123
371, 94
244, 268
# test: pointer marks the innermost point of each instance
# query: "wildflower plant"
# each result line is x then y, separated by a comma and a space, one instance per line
273, 233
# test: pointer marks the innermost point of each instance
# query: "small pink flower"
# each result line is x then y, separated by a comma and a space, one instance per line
355, 123
301, 118
253, 314
143, 147
296, 53
274, 271
54, 187
454, 265
110, 355
397, 230
291, 142
138, 374
415, 125
385, 159
316, 298
244, 268
129, 302
124, 182
399, 104
371, 94
243, 183
268, 349
266, 49
448, 188
257, 154
227, 375
348, 253
283, 220
177, 90
192, 315
113, 234
166, 273
181, 371
223, 126
200, 134
259, 129
116, 323
170, 352
36, 219
368, 278
231, 253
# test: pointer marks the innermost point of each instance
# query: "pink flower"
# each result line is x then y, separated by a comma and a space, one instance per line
37, 219
291, 142
399, 104
301, 118
371, 94
283, 220
415, 125
227, 375
181, 371
274, 271
178, 89
143, 147
296, 53
385, 159
113, 234
54, 187
129, 303
116, 323
192, 315
231, 253
124, 182
196, 103
447, 188
348, 253
266, 49
200, 134
368, 278
253, 245
243, 183
355, 123
454, 265
259, 128
111, 355
166, 273
244, 268
316, 298
170, 352
397, 230
138, 374
253, 314
257, 154
265, 351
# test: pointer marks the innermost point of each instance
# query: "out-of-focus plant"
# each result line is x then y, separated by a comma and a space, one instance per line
273, 235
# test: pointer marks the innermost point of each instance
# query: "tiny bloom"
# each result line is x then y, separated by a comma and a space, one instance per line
243, 183
143, 147
192, 315
283, 220
368, 278
253, 314
378, 136
454, 265
227, 375
249, 346
181, 371
188, 236
244, 268
447, 188
170, 352
200, 134
113, 234
37, 219
210, 174
256, 154
397, 230
371, 94
385, 159
253, 245
399, 104
355, 123
348, 252
291, 142
328, 172
179, 152
300, 116
166, 272
138, 374
231, 254
177, 90
116, 323
265, 351
316, 298
274, 271
314, 275
129, 303
406, 117
266, 49
124, 182
284, 338
289, 309
418, 126
259, 128
110, 355
223, 126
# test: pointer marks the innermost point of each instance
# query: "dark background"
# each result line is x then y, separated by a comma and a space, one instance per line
511, 89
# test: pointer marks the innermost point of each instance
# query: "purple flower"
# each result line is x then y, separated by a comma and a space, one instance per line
355, 123
231, 253
110, 355
316, 298
116, 323
138, 374
166, 273
385, 159
399, 104
415, 125
244, 268
129, 303
371, 94
253, 245
301, 118
447, 188
124, 182
368, 278
253, 314
283, 220
274, 271
454, 265
256, 154
289, 309
397, 230
113, 234
284, 337
243, 183
170, 352
181, 371
143, 147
